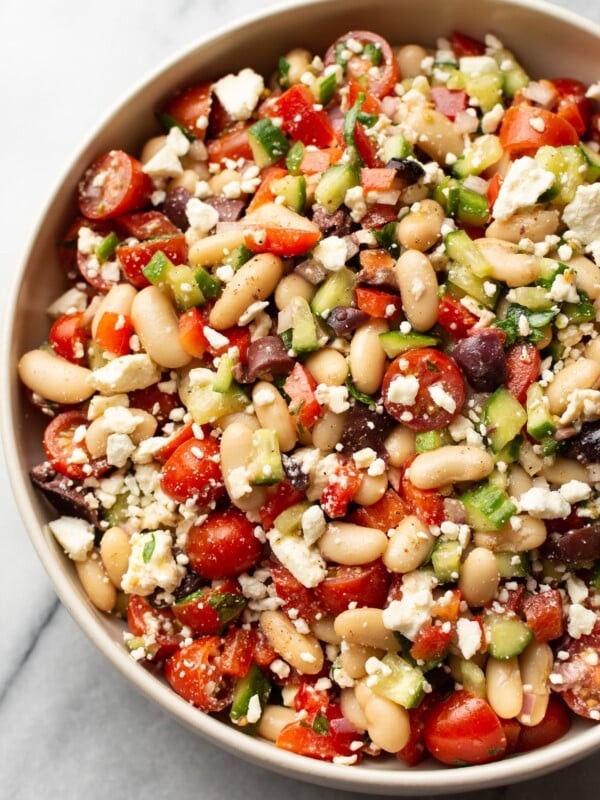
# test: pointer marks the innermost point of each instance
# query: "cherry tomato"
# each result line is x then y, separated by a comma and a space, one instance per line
375, 67
300, 387
464, 45
572, 103
464, 730
69, 338
158, 624
525, 128
194, 470
366, 147
195, 673
340, 489
67, 248
293, 594
580, 673
436, 376
172, 443
364, 585
238, 650
285, 242
544, 615
134, 257
512, 731
208, 610
431, 643
285, 496
329, 735
299, 117
385, 514
114, 332
224, 545
114, 184
414, 750
65, 447
554, 725
191, 108
523, 364
146, 225
231, 145
454, 318
157, 402
377, 303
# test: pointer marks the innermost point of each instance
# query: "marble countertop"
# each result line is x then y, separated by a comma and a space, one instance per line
70, 726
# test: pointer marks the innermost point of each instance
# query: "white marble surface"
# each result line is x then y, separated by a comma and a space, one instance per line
70, 727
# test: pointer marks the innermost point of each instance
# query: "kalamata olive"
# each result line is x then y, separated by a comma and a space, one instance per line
482, 359
267, 356
409, 170
337, 224
294, 472
585, 446
344, 319
574, 546
174, 206
229, 210
67, 496
365, 428
191, 583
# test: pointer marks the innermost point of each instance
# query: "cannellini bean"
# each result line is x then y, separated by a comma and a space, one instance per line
531, 461
327, 366
350, 544
504, 687
367, 357
299, 61
519, 481
534, 225
155, 322
581, 374
535, 663
400, 445
249, 420
253, 282
212, 249
151, 148
587, 275
188, 179
365, 626
421, 228
354, 658
592, 349
351, 709
218, 182
418, 287
272, 720
408, 546
327, 431
96, 437
508, 265
290, 286
324, 630
114, 552
371, 489
518, 535
236, 449
272, 412
301, 650
450, 464
479, 577
96, 583
118, 300
54, 378
562, 470
388, 723
436, 134
409, 58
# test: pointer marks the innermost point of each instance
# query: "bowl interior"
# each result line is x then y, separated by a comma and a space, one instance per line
548, 41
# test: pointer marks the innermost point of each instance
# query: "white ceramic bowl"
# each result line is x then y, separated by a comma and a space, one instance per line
549, 41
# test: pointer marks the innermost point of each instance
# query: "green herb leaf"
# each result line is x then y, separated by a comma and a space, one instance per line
386, 237
358, 395
320, 725
283, 70
227, 605
535, 319
148, 550
373, 53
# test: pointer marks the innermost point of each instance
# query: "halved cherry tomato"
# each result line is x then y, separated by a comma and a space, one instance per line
194, 471
285, 496
377, 303
414, 750
194, 341
512, 731
426, 504
114, 184
263, 653
172, 443
454, 317
544, 615
146, 225
448, 102
341, 487
370, 104
464, 45
378, 215
431, 642
238, 649
224, 545
69, 338
195, 673
464, 730
572, 103
366, 147
436, 375
114, 332
300, 387
299, 117
293, 594
191, 108
523, 363
157, 402
554, 725
525, 129
378, 78
364, 585
385, 514
580, 674
230, 145
329, 735
134, 257
66, 450
208, 610
68, 254
273, 228
159, 625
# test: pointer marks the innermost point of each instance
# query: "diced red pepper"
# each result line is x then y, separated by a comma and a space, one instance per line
340, 489
377, 303
454, 317
385, 514
523, 363
367, 148
447, 606
431, 642
544, 615
294, 595
300, 387
238, 648
284, 497
299, 117
317, 161
114, 332
264, 193
370, 105
378, 215
464, 45
426, 504
493, 190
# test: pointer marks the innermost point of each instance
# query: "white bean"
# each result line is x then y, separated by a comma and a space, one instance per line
410, 58
272, 720
272, 412
365, 626
253, 282
354, 658
418, 286
527, 534
400, 445
54, 378
118, 300
350, 544
437, 135
114, 552
535, 225
450, 464
371, 489
327, 431
156, 323
367, 357
96, 583
212, 249
504, 687
479, 577
587, 275
290, 286
562, 470
301, 650
388, 723
96, 437
408, 546
507, 264
236, 450
327, 366
351, 709
535, 663
422, 228
581, 374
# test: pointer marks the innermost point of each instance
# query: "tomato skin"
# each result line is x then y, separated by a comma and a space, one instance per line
554, 725
195, 673
523, 364
544, 614
230, 145
366, 147
340, 489
463, 729
431, 643
336, 740
69, 338
493, 190
134, 257
580, 686
285, 242
379, 83
114, 332
300, 387
519, 134
143, 619
284, 497
238, 648
299, 119
454, 318
146, 225
172, 443
194, 471
414, 750
431, 368
190, 105
114, 184
385, 514
223, 546
293, 594
365, 585
572, 103
60, 447
448, 102
464, 45
208, 610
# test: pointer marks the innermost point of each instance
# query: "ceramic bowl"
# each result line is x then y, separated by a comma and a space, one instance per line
548, 41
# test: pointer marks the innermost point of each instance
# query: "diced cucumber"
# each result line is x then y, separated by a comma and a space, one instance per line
289, 522
224, 375
462, 249
583, 311
512, 565
445, 559
472, 678
107, 247
508, 636
498, 479
465, 205
209, 286
304, 329
324, 88
510, 452
540, 422
503, 417
157, 268
238, 257
485, 151
484, 88
395, 146
487, 507
404, 684
118, 513
535, 298
183, 286
95, 354
396, 342
514, 76
431, 440
462, 281
292, 188
254, 684
267, 142
592, 162
568, 163
265, 461
333, 185
336, 290
206, 405
294, 158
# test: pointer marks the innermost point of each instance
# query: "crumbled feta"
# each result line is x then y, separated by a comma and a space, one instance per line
491, 119
581, 620
331, 253
584, 405
75, 536
305, 564
254, 712
364, 458
575, 491
469, 636
583, 212
239, 94
543, 503
100, 403
522, 186
201, 216
335, 397
164, 164
71, 301
578, 591
239, 484
151, 564
119, 448
214, 338
563, 288
253, 311
414, 609
473, 66
313, 524
178, 141
403, 389
441, 398
125, 374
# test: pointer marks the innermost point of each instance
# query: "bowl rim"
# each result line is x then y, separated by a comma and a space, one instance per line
398, 780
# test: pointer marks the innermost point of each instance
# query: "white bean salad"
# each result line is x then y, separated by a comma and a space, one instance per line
324, 392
